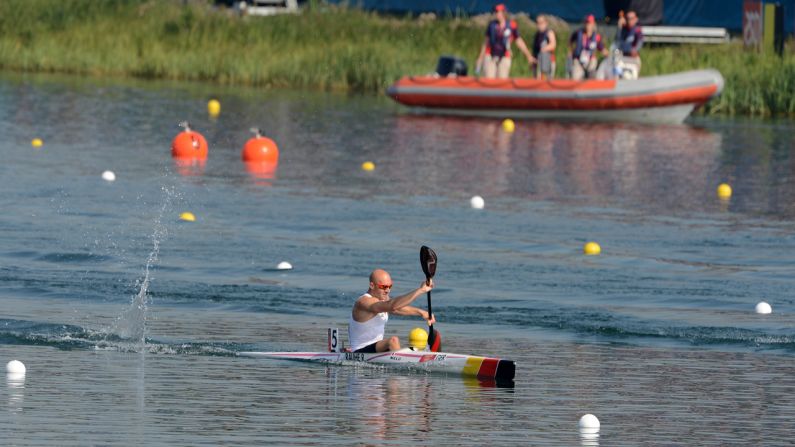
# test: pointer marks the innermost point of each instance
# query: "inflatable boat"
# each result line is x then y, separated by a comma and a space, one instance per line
655, 99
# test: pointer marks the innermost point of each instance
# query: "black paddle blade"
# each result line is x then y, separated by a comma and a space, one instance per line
436, 342
428, 261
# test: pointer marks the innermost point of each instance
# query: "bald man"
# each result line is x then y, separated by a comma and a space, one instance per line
371, 312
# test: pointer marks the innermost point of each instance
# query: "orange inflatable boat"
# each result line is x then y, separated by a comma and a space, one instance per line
657, 99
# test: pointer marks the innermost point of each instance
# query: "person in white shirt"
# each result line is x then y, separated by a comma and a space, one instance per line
371, 312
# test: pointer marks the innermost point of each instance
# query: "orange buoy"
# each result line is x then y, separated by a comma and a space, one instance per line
260, 149
189, 144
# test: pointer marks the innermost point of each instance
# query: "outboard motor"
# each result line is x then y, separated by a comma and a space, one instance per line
613, 67
451, 66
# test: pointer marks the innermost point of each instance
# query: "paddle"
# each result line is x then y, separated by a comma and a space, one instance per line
428, 263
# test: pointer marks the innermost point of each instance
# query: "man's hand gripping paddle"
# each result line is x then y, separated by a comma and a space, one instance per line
428, 262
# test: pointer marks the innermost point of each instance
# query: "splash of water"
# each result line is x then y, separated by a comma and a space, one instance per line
131, 324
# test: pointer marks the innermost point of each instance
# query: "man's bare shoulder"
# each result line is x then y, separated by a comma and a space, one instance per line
364, 300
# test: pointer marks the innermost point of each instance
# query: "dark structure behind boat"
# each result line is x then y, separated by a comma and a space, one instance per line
451, 65
701, 13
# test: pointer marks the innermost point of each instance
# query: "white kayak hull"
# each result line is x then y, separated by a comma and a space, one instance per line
465, 365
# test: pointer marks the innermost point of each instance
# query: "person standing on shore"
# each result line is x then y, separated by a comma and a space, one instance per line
544, 45
495, 53
629, 40
584, 46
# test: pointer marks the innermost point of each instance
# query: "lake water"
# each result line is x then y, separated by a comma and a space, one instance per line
657, 336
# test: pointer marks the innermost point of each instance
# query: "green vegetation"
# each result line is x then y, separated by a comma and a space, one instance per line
324, 47
756, 84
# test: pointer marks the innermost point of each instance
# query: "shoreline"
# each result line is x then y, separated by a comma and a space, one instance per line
322, 48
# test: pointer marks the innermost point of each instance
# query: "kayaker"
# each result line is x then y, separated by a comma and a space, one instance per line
584, 47
544, 45
371, 312
494, 59
629, 40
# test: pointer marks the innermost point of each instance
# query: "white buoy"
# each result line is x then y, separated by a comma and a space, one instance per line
763, 308
589, 423
15, 367
284, 265
477, 202
108, 176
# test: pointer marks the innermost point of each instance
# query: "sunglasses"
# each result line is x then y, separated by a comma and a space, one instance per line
384, 286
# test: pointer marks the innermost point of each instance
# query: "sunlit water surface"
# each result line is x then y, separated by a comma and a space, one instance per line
657, 336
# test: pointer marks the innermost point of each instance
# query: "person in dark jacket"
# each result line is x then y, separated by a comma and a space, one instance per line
544, 45
629, 40
495, 53
585, 45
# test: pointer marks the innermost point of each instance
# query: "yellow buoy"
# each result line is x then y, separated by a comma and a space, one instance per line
368, 166
592, 248
418, 338
36, 142
214, 107
724, 191
187, 216
508, 125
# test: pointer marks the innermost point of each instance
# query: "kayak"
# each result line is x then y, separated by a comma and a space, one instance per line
421, 358
465, 365
658, 99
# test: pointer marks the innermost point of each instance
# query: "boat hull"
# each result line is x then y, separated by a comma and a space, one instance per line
667, 98
465, 365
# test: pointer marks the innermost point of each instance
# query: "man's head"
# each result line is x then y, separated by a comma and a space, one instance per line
632, 18
380, 284
590, 23
541, 22
500, 11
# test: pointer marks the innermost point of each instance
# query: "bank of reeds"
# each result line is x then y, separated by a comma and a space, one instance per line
324, 47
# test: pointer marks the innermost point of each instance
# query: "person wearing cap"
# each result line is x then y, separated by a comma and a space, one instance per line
544, 45
584, 46
495, 53
629, 39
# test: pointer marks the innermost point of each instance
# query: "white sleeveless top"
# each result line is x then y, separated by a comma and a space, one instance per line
367, 333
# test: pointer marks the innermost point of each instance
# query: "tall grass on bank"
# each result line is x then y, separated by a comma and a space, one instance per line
755, 84
324, 47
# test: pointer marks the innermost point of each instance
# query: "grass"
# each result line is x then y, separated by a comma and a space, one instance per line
326, 48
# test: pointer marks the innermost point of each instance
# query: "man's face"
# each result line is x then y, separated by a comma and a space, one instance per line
381, 287
500, 15
590, 27
632, 19
542, 23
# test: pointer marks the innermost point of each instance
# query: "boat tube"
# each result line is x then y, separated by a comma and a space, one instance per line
654, 99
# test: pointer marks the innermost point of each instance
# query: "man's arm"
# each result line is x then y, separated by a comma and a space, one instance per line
481, 55
376, 306
411, 311
550, 47
601, 47
523, 48
573, 42
637, 44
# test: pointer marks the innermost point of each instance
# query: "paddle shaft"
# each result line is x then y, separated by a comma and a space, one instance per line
430, 315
